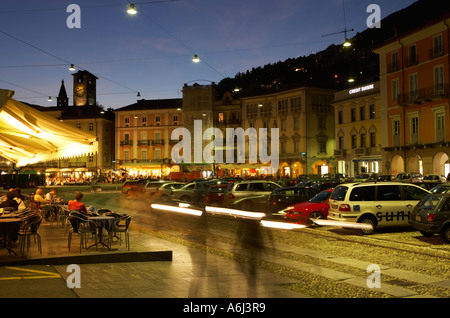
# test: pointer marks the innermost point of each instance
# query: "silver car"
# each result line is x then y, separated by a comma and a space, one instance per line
249, 195
164, 192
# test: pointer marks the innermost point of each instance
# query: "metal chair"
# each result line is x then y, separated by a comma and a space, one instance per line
29, 229
83, 227
121, 225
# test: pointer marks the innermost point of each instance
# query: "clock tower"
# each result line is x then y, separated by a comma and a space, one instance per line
84, 89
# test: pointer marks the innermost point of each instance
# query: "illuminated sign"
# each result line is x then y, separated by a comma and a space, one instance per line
361, 89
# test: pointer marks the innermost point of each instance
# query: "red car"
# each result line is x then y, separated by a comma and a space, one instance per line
215, 194
314, 208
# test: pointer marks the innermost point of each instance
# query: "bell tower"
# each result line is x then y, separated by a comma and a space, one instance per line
84, 89
62, 99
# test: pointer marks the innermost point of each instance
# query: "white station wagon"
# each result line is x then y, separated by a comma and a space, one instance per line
379, 204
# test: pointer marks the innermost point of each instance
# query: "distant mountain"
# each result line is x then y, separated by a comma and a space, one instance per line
332, 67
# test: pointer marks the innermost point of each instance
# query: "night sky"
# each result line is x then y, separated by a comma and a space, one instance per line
151, 52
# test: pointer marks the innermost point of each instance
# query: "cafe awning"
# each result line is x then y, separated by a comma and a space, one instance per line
28, 136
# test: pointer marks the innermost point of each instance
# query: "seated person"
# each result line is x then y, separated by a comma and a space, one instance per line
77, 204
42, 201
51, 196
10, 203
20, 199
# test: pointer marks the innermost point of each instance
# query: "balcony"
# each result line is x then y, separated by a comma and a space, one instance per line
360, 151
158, 142
126, 143
339, 152
143, 142
426, 94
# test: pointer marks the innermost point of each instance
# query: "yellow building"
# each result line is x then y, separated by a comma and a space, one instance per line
357, 122
143, 137
305, 121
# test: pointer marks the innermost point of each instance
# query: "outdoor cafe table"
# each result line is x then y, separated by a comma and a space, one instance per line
9, 230
102, 222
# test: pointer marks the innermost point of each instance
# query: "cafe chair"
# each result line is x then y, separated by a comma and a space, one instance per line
84, 228
121, 225
103, 211
28, 230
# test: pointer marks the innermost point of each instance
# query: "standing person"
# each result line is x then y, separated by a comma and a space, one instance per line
77, 204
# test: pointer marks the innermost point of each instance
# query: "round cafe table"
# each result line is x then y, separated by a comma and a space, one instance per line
9, 231
102, 222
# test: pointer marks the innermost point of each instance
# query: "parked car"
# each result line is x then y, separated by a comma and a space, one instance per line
378, 204
134, 185
304, 212
386, 177
362, 177
151, 186
434, 178
202, 189
441, 188
164, 192
432, 216
409, 177
282, 197
194, 191
216, 194
249, 194
326, 184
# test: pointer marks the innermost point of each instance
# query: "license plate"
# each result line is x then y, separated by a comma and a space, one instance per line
418, 218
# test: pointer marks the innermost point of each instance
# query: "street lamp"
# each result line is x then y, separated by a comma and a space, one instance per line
131, 10
196, 59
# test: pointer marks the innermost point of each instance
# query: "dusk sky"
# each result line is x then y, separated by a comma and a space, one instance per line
151, 52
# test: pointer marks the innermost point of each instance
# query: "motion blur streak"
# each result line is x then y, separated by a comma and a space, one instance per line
280, 225
236, 213
343, 224
176, 209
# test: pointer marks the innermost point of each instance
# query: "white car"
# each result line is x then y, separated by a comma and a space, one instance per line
434, 178
375, 203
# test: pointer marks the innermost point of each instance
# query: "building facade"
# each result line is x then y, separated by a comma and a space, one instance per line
143, 137
305, 121
414, 82
357, 121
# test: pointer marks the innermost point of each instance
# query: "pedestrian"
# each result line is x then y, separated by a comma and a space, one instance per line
76, 204
39, 197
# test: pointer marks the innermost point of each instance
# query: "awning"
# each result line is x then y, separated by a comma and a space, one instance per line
28, 136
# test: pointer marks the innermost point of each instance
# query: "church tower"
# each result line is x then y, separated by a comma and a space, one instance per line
62, 99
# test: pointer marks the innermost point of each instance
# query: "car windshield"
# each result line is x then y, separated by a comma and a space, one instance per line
429, 202
320, 197
440, 189
339, 193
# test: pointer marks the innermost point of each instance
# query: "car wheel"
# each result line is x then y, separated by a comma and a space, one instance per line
246, 206
426, 233
165, 198
314, 215
446, 234
368, 220
185, 198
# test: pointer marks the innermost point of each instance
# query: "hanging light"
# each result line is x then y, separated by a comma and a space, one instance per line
71, 68
196, 59
351, 80
49, 98
131, 10
138, 94
347, 43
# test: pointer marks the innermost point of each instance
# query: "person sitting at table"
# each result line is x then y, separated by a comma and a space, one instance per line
51, 196
40, 199
20, 199
10, 203
77, 204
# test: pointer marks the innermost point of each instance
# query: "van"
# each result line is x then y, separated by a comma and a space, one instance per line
378, 204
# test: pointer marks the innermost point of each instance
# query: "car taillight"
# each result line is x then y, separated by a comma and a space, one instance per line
431, 217
231, 196
344, 208
274, 202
